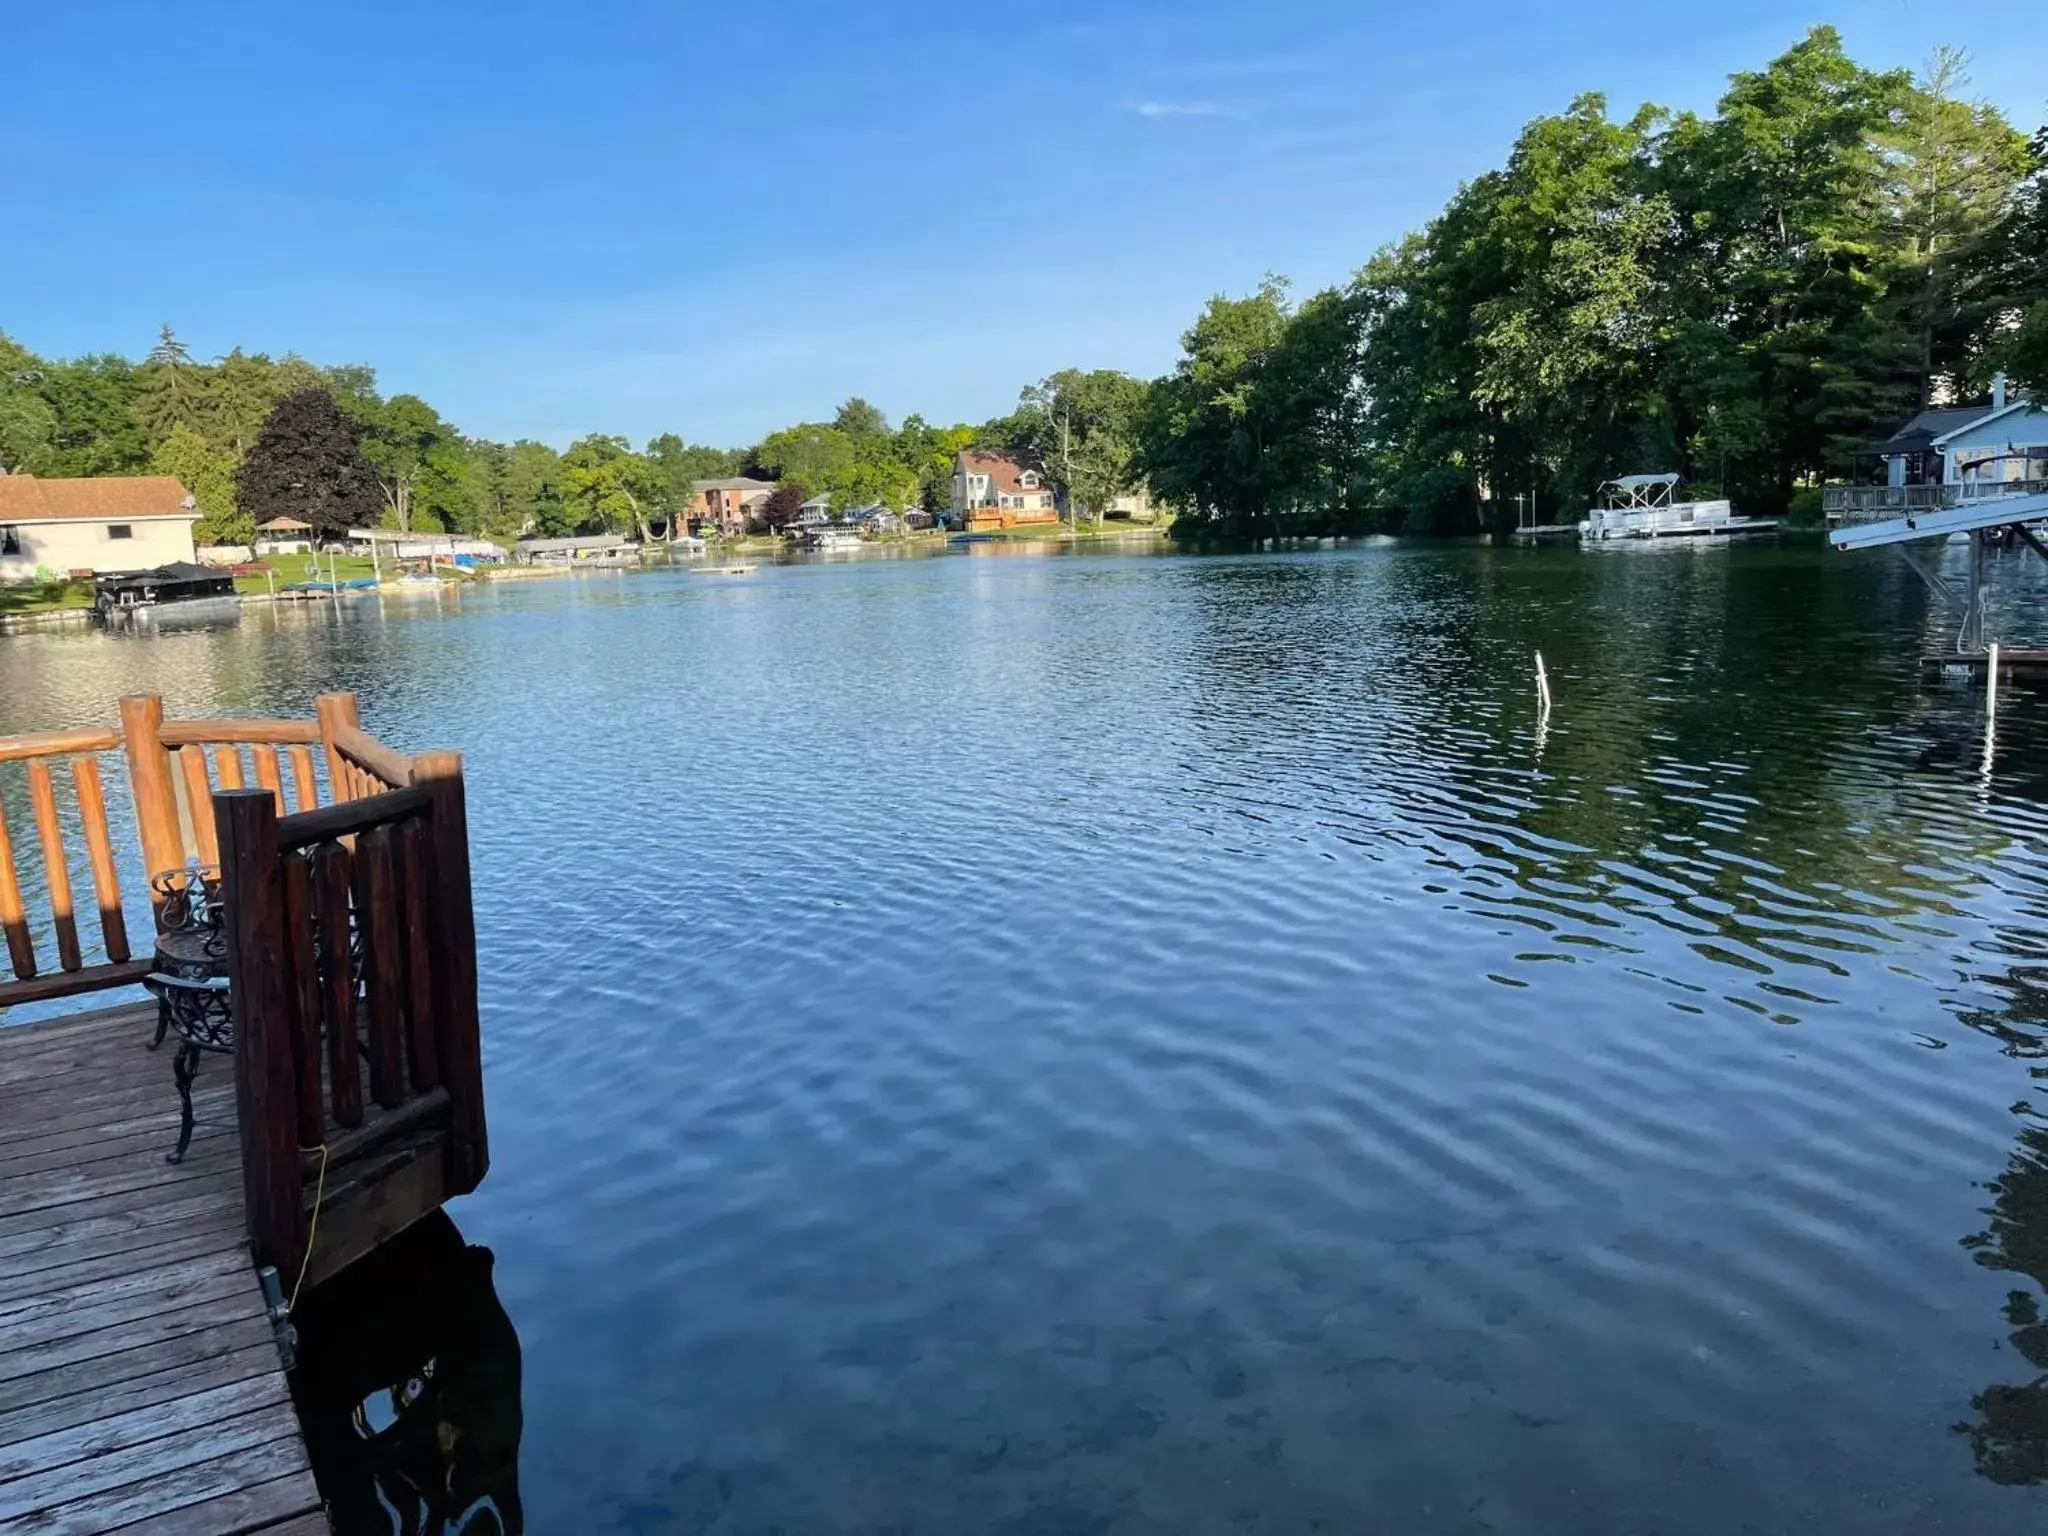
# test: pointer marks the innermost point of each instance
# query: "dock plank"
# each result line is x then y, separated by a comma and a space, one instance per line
140, 1388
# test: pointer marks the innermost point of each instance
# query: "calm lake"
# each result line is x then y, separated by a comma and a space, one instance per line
1018, 1042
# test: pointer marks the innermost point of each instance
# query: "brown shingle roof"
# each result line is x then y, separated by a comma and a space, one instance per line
1001, 468
28, 499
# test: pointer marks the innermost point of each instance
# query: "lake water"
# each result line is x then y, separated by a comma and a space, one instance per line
1171, 1044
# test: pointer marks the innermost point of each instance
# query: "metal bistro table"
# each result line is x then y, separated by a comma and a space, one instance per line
190, 982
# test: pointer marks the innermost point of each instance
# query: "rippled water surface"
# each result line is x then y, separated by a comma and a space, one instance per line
1171, 1044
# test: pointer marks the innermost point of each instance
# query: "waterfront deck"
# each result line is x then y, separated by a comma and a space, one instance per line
140, 1385
340, 1097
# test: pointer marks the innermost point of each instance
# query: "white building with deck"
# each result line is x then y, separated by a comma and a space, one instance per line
1953, 456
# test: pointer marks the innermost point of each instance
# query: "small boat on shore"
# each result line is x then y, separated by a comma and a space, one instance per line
1641, 507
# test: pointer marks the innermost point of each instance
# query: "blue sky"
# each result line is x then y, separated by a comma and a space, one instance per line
632, 217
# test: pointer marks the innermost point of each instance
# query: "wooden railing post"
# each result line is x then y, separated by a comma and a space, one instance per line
149, 776
453, 940
259, 969
336, 709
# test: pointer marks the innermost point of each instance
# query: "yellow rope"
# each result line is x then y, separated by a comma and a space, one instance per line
319, 1194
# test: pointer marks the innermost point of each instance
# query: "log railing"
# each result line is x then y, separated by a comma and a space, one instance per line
354, 985
352, 944
33, 980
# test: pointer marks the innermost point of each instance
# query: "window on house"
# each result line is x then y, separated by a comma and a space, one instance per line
120, 531
10, 541
1029, 479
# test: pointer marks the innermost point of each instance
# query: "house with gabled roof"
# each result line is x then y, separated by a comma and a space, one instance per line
99, 526
1000, 490
1954, 453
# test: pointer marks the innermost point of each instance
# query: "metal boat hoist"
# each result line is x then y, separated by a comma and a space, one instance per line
1918, 534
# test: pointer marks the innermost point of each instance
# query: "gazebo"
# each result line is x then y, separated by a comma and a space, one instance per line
284, 536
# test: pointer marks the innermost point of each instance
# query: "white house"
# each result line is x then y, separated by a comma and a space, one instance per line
997, 490
2008, 443
105, 525
814, 512
1972, 444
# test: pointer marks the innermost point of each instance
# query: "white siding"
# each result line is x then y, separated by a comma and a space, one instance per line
2012, 432
78, 544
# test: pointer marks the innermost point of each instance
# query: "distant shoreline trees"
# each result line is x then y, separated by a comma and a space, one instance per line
1746, 298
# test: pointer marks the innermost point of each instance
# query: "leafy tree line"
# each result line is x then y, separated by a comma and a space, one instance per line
372, 459
254, 437
1747, 298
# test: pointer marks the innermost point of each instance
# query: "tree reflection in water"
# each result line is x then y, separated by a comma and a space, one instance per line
2010, 1435
408, 1387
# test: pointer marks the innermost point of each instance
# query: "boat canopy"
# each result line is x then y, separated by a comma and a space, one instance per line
1631, 493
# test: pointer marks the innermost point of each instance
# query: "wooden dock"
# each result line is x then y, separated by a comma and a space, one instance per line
339, 1097
2016, 664
140, 1384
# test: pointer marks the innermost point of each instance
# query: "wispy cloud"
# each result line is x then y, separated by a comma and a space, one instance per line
1176, 108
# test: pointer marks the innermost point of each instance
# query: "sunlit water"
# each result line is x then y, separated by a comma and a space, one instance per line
1173, 1044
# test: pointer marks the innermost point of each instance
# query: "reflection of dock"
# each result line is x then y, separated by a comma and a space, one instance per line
138, 1375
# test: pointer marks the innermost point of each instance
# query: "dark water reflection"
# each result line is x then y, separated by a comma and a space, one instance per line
1172, 1045
408, 1388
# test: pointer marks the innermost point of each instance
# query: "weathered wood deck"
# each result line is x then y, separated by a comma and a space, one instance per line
140, 1386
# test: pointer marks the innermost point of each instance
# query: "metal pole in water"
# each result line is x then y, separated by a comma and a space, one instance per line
1542, 685
1991, 682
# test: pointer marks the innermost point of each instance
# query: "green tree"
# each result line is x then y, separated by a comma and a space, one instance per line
1955, 169
1780, 275
818, 456
1204, 440
681, 464
209, 474
521, 491
2006, 283
401, 437
241, 389
607, 488
307, 463
92, 401
172, 387
858, 419
928, 453
28, 427
1083, 428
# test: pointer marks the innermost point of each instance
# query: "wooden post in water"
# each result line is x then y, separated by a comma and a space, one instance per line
252, 890
453, 940
149, 778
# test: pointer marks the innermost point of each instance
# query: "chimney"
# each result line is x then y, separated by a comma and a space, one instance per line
1998, 390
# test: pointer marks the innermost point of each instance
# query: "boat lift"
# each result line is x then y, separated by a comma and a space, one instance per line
1981, 517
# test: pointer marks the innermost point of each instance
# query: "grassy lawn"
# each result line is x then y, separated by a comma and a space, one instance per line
291, 568
43, 597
